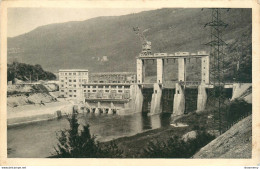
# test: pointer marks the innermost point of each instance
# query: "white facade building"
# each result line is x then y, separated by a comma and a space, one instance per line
70, 83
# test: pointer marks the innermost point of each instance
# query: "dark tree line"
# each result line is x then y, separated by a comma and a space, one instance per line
26, 72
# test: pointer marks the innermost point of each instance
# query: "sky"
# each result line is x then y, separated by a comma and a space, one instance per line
23, 20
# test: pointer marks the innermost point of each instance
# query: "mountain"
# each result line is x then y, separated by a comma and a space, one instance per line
81, 44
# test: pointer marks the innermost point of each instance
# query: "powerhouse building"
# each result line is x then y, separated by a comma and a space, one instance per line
112, 77
71, 81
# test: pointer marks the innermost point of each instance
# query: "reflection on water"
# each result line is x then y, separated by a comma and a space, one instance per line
38, 139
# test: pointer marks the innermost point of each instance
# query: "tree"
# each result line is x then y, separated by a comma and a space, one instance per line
75, 144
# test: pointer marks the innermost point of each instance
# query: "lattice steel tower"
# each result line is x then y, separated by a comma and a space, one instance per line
217, 56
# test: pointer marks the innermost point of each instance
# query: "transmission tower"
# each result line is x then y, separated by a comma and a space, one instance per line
217, 44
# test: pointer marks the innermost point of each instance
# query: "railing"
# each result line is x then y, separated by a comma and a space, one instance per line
113, 96
171, 84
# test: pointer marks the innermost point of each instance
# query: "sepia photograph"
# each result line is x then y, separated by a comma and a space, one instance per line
129, 83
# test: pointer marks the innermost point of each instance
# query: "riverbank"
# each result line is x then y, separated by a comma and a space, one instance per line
29, 103
37, 112
133, 145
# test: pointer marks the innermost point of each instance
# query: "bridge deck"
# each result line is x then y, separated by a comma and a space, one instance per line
170, 56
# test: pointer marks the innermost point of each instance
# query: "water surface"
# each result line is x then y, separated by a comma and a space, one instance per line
38, 139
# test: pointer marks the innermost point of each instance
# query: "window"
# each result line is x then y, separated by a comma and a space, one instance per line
74, 85
62, 90
100, 86
70, 95
107, 91
94, 86
69, 80
62, 80
75, 90
65, 73
120, 91
94, 90
69, 73
88, 90
74, 73
84, 90
85, 86
75, 95
70, 90
74, 80
120, 87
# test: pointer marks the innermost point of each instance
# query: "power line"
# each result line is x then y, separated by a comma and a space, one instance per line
217, 26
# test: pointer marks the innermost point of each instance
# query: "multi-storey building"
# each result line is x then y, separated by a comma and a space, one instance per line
112, 77
71, 81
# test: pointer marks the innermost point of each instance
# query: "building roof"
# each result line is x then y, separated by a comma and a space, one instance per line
109, 73
73, 70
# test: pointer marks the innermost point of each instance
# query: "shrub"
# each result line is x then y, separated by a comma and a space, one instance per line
175, 147
236, 110
75, 144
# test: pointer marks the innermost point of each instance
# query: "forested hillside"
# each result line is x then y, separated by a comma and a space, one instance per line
27, 72
80, 44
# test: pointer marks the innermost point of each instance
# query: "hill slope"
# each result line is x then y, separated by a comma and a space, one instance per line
234, 143
79, 44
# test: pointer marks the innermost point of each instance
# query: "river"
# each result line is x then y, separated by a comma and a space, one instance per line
37, 140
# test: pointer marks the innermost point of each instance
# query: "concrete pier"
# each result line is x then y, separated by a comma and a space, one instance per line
137, 95
204, 69
179, 101
110, 111
140, 70
159, 71
97, 111
240, 91
156, 107
181, 69
202, 98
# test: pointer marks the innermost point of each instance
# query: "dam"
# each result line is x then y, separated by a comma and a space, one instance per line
153, 98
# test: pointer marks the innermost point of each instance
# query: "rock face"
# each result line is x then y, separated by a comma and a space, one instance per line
234, 143
189, 135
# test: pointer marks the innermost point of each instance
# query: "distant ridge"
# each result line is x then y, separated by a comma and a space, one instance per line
78, 44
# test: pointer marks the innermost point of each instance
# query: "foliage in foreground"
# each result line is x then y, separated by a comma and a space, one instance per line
175, 147
73, 143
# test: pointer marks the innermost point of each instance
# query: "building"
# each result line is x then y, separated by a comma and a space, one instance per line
70, 82
113, 77
106, 91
